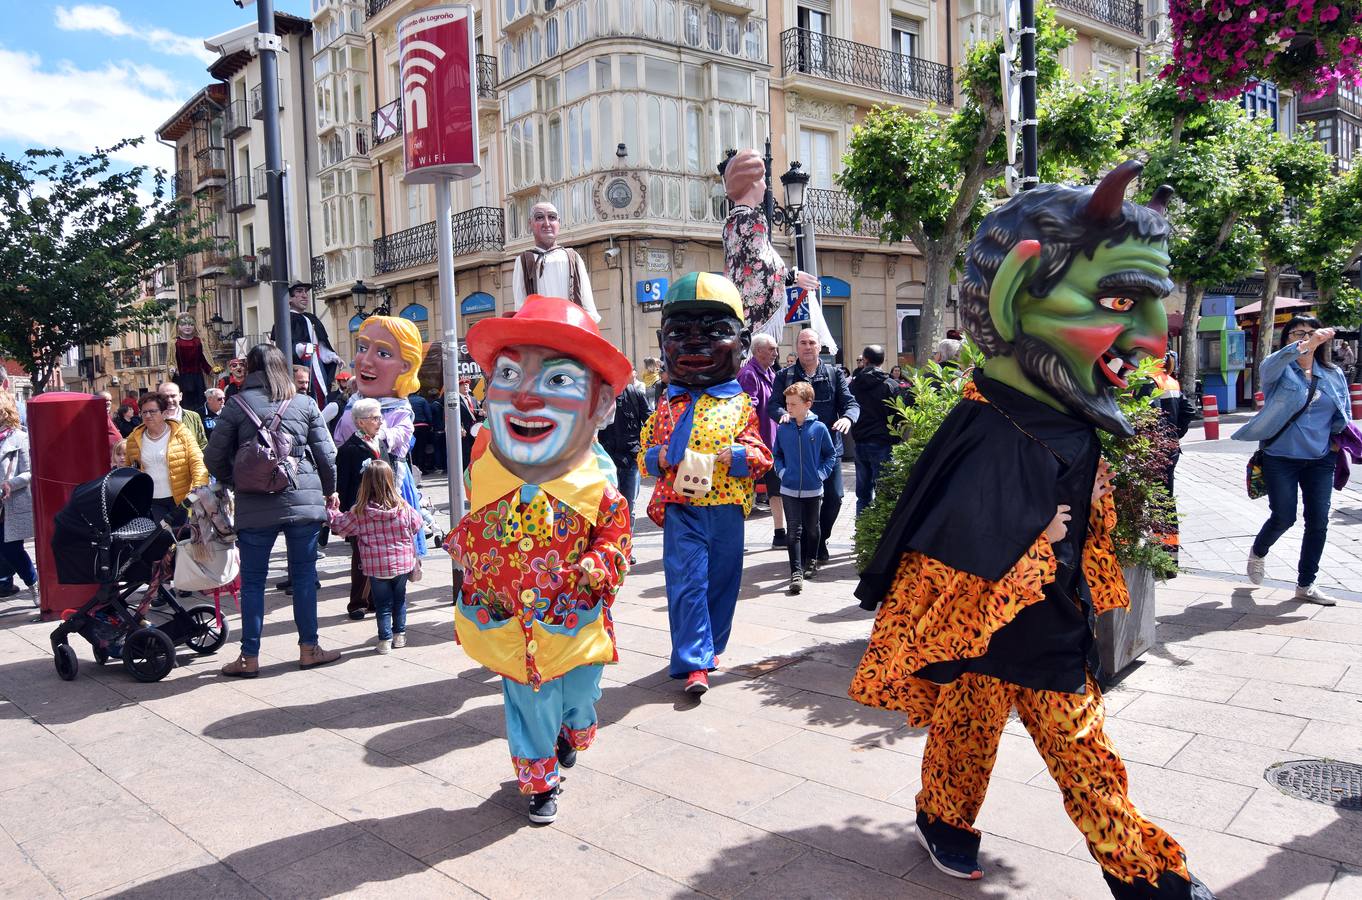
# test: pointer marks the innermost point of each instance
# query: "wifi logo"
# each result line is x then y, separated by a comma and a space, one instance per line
416, 66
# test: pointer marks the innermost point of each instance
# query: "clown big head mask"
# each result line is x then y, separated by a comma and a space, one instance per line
1063, 289
551, 381
387, 357
703, 335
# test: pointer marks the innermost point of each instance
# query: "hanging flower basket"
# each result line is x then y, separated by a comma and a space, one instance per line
1220, 47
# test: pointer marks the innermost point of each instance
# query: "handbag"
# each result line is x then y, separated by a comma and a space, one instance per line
1254, 482
206, 566
695, 475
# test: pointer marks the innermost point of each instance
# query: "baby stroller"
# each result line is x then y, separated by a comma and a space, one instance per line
104, 536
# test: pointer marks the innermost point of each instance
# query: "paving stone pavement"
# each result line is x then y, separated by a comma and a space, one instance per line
387, 776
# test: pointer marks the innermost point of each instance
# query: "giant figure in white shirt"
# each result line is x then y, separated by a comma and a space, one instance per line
550, 269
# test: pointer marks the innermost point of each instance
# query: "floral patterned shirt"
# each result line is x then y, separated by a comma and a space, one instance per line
720, 423
553, 554
754, 265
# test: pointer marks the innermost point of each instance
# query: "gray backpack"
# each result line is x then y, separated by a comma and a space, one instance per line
264, 464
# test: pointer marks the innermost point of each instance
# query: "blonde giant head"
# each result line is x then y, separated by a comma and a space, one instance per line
388, 354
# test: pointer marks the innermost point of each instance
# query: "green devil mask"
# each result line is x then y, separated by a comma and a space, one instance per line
1063, 292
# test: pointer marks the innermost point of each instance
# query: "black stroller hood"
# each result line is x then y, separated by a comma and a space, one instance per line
97, 509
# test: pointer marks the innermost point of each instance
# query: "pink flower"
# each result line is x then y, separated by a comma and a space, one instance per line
1328, 14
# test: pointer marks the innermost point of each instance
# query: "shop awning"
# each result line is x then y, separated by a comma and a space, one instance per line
1283, 303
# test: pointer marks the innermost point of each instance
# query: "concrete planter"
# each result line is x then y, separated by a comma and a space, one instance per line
1123, 635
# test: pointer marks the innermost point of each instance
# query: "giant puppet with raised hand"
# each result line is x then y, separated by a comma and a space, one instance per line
388, 354
999, 557
545, 544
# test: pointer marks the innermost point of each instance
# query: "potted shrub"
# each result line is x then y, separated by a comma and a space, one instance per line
1144, 509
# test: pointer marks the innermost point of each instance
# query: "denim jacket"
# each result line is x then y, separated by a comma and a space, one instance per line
1285, 388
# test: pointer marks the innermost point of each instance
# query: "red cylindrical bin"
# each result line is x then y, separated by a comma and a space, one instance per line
1355, 392
1258, 400
1210, 417
68, 437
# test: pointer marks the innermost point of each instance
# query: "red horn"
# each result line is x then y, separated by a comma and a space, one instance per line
1105, 203
1159, 202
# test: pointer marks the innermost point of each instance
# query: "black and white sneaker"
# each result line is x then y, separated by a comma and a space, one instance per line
567, 756
544, 807
778, 539
956, 865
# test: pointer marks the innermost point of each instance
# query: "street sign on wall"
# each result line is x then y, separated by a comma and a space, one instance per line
649, 293
439, 93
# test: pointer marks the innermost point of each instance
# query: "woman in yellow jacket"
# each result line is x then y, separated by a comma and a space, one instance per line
166, 451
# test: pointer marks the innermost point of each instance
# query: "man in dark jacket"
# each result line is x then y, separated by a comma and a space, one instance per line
621, 438
873, 390
833, 404
420, 415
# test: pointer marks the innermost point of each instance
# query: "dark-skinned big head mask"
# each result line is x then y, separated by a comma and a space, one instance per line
703, 337
1068, 283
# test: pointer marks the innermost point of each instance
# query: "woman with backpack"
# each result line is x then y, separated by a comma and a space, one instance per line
273, 448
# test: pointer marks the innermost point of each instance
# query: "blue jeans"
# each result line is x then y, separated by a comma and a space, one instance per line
1315, 480
255, 545
390, 605
17, 562
628, 475
870, 458
832, 505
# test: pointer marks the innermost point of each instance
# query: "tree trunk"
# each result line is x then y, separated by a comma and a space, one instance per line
1191, 315
1272, 275
932, 328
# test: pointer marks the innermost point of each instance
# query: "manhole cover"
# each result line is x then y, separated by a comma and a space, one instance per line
1320, 780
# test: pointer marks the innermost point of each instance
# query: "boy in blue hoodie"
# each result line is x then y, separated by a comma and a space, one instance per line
804, 458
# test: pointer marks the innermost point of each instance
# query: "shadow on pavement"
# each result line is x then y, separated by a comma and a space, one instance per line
1282, 876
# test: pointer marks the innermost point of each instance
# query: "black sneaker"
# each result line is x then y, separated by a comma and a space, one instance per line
823, 555
778, 540
544, 807
9, 589
286, 585
796, 581
954, 864
357, 614
567, 756
810, 571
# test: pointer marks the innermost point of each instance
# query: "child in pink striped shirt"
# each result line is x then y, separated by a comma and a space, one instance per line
383, 524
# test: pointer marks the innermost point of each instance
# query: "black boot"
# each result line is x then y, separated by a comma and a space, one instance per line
544, 807
567, 756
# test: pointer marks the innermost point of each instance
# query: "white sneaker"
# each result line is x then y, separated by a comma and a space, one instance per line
33, 594
1255, 568
384, 647
1312, 594
399, 640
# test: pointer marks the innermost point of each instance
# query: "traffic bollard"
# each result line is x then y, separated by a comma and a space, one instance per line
1355, 391
1210, 417
1258, 400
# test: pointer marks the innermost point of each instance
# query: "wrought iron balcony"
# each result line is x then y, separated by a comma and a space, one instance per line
258, 99
319, 273
183, 183
387, 122
829, 212
487, 75
260, 185
236, 120
239, 195
1345, 100
210, 167
1127, 15
475, 231
374, 7
847, 62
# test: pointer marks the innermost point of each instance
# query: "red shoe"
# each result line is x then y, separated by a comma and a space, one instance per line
716, 662
697, 682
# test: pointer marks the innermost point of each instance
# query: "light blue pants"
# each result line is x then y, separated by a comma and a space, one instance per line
535, 719
702, 561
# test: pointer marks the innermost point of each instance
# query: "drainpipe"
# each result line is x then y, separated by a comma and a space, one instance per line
382, 211
305, 94
950, 38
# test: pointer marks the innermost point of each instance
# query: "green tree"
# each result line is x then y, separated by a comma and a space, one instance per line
76, 242
1300, 167
1333, 243
929, 178
1216, 159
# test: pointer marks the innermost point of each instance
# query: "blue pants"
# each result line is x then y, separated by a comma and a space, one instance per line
15, 560
870, 458
628, 484
390, 605
534, 719
702, 562
1315, 479
255, 545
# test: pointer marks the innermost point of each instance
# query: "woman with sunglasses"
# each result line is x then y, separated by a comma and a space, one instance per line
1306, 406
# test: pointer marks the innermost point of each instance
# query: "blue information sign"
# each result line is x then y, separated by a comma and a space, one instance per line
796, 305
650, 291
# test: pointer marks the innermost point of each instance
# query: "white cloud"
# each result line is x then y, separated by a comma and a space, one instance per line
80, 109
105, 19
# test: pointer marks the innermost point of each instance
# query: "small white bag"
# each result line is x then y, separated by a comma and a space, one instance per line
695, 475
205, 567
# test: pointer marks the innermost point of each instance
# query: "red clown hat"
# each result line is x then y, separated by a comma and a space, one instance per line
554, 323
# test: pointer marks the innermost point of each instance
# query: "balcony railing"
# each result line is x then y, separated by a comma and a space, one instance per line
319, 273
241, 271
184, 183
847, 62
830, 212
374, 7
475, 230
260, 184
487, 75
1128, 15
387, 122
218, 254
239, 196
342, 144
236, 120
209, 163
1334, 101
258, 99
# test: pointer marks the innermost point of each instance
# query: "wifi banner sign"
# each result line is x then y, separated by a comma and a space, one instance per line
439, 93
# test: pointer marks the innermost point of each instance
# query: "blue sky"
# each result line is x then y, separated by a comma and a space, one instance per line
77, 75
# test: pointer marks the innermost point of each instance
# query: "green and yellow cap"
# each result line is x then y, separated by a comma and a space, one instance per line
704, 290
